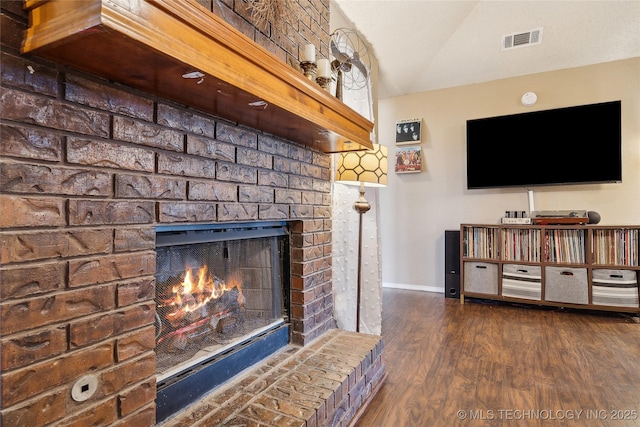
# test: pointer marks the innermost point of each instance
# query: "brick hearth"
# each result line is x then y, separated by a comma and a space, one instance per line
322, 384
88, 169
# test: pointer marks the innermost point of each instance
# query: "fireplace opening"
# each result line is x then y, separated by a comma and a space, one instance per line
221, 305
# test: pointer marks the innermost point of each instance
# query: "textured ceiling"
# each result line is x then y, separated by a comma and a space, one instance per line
424, 45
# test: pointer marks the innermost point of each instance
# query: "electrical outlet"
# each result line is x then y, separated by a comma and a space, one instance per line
84, 388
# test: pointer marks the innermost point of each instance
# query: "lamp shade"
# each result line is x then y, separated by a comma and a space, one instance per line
368, 167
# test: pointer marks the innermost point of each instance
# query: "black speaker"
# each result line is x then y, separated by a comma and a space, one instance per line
594, 217
452, 264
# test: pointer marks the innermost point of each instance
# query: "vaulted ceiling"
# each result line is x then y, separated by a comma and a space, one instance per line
423, 45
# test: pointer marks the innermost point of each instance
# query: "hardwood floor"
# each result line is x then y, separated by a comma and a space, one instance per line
492, 364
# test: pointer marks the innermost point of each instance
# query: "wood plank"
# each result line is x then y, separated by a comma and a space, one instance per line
151, 45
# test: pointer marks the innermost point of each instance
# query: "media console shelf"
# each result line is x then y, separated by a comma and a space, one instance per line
579, 266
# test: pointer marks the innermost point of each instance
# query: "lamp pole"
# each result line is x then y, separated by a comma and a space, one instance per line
361, 206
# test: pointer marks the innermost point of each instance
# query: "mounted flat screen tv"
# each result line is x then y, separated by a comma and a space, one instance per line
571, 145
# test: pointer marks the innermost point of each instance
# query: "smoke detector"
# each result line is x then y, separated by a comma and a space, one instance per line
522, 39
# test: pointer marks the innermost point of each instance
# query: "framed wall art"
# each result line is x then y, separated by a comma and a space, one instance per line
408, 131
409, 159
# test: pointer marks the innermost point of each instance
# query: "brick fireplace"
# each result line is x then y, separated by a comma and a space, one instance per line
89, 170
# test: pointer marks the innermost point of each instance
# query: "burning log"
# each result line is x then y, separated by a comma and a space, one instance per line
228, 324
228, 301
193, 310
190, 300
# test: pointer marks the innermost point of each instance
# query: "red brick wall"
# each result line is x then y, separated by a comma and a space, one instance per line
88, 168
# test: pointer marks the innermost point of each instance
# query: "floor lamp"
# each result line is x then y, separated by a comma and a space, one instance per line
364, 168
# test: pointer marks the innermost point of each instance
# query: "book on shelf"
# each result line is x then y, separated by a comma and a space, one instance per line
616, 247
606, 246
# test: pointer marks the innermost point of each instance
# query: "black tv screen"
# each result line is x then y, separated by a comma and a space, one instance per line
571, 145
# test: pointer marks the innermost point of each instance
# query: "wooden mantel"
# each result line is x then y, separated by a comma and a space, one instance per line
157, 46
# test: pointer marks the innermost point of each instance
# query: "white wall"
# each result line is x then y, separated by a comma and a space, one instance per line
417, 208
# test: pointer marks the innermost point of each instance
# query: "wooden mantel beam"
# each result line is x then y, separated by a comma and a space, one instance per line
151, 45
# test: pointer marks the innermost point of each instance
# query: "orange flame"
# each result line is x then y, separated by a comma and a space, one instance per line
191, 295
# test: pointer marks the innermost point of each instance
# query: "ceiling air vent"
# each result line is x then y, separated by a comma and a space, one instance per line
528, 38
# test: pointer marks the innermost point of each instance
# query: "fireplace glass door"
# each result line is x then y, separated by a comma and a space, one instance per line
216, 289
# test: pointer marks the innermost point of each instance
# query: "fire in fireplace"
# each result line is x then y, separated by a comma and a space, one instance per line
195, 312
221, 300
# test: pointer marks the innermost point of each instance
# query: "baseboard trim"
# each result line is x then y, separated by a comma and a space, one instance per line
413, 287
